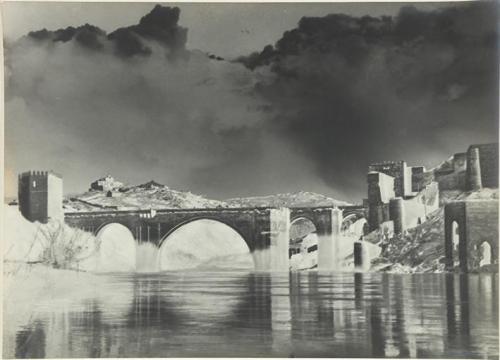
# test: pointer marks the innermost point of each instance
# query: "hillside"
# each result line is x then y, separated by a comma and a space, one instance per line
422, 248
298, 199
151, 195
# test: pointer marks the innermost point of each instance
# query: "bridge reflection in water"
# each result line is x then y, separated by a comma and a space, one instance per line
260, 314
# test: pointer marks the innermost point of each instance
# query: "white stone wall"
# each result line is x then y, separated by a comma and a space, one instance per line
421, 205
386, 186
54, 197
407, 179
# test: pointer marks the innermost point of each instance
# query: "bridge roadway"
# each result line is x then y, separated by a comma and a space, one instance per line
265, 230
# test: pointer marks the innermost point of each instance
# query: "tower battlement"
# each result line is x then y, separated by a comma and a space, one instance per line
40, 195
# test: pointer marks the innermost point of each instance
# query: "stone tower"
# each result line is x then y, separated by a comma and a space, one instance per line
474, 181
396, 214
40, 195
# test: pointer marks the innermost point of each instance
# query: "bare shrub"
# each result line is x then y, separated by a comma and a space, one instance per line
64, 247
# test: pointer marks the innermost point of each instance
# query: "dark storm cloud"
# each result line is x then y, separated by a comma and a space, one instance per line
160, 25
87, 35
308, 113
351, 90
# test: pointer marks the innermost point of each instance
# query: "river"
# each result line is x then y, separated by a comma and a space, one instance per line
233, 314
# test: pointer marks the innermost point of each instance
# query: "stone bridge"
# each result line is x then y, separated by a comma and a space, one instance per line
265, 230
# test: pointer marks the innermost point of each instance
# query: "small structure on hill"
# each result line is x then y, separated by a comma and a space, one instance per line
107, 183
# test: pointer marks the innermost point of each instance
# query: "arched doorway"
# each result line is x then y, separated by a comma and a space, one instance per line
204, 244
485, 251
116, 249
303, 247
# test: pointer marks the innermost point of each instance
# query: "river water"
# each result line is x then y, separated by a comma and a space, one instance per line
233, 314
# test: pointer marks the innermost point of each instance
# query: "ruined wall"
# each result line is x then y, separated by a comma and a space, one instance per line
380, 191
380, 188
399, 171
408, 184
452, 181
417, 208
488, 162
417, 178
477, 222
459, 162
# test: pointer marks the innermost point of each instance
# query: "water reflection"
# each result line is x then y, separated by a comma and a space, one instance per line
30, 342
296, 315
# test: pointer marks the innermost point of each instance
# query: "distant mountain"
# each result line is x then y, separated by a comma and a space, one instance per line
150, 195
298, 199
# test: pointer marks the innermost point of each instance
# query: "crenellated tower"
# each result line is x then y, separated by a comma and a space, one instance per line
40, 195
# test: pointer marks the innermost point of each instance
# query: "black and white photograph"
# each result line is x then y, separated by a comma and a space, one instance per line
250, 179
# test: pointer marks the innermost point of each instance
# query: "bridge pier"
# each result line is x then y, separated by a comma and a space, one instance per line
279, 239
328, 243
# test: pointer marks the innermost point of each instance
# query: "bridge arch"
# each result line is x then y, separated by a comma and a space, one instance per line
294, 223
116, 248
198, 218
107, 224
295, 218
303, 243
348, 220
227, 230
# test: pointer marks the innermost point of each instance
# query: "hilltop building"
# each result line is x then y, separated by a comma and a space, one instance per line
40, 195
107, 183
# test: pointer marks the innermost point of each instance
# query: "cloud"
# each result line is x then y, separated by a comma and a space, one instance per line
353, 90
307, 113
159, 25
139, 117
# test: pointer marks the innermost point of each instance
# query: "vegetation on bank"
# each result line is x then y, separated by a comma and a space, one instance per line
54, 244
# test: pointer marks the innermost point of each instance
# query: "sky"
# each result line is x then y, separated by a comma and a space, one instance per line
228, 30
285, 103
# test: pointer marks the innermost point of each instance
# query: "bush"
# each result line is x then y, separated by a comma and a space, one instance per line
63, 246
